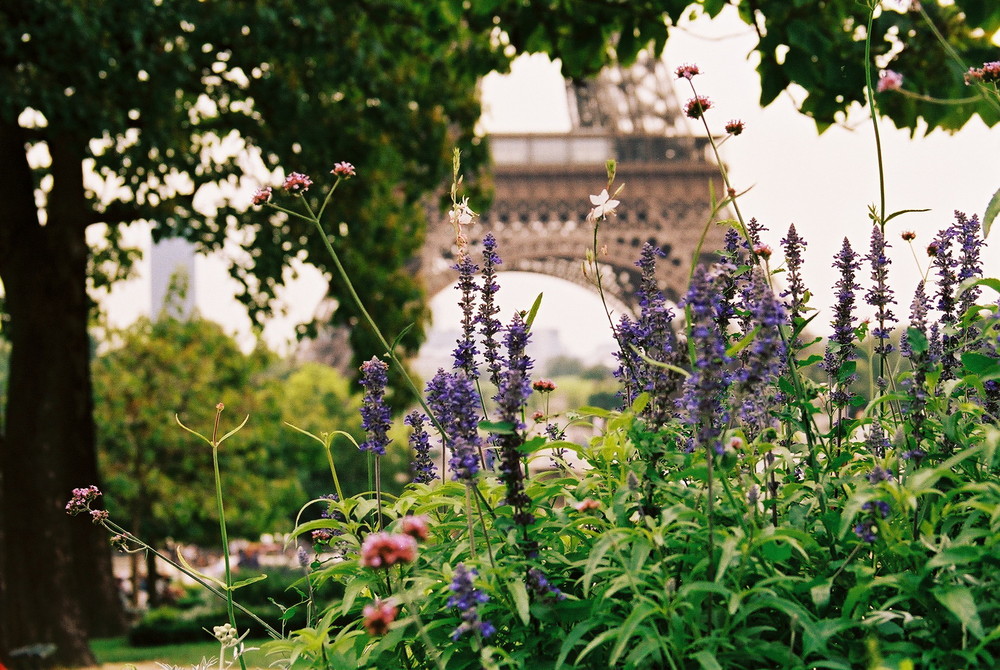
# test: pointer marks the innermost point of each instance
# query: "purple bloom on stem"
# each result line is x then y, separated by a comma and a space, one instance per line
793, 246
511, 397
867, 531
489, 325
453, 398
375, 414
841, 348
465, 352
422, 467
878, 508
880, 296
467, 599
704, 389
539, 584
877, 441
652, 337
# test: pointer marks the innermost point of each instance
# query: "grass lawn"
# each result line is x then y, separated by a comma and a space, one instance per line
116, 650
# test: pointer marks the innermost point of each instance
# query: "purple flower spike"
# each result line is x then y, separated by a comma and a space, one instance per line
465, 352
467, 599
375, 414
423, 467
489, 325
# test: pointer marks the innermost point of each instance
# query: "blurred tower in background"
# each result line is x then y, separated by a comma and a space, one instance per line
172, 278
542, 182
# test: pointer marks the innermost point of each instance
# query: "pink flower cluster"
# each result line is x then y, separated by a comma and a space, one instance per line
415, 526
297, 183
735, 127
378, 615
697, 106
345, 170
687, 71
989, 72
382, 550
889, 81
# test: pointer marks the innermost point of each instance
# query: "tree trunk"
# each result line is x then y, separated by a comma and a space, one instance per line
57, 583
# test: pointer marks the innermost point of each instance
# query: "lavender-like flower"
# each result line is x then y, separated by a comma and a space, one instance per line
375, 413
705, 388
511, 397
947, 269
467, 598
765, 359
652, 336
422, 467
489, 325
796, 291
841, 348
453, 398
877, 441
540, 586
465, 352
967, 232
880, 296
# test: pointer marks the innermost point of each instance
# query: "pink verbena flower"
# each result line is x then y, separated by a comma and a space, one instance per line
378, 615
345, 170
297, 183
696, 107
382, 550
762, 250
544, 385
261, 195
415, 526
735, 127
687, 71
82, 497
586, 505
889, 81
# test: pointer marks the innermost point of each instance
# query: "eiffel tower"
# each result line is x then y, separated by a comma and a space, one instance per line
542, 183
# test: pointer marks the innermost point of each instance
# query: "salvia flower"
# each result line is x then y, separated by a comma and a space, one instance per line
511, 397
696, 107
296, 183
489, 325
880, 296
877, 441
423, 468
735, 127
375, 413
378, 615
687, 71
453, 398
841, 347
793, 246
383, 550
867, 531
81, 499
465, 352
261, 196
541, 587
343, 170
889, 80
705, 388
467, 598
878, 508
880, 474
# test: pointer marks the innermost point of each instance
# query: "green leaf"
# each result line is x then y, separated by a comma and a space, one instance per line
628, 628
985, 367
498, 427
246, 582
992, 210
959, 601
821, 593
917, 340
743, 343
707, 660
957, 555
519, 594
533, 312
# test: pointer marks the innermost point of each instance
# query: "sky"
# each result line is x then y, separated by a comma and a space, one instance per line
823, 184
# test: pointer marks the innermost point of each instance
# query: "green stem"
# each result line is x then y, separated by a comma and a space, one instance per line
870, 92
222, 531
333, 468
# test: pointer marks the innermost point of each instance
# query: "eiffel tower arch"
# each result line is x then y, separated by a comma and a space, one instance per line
542, 183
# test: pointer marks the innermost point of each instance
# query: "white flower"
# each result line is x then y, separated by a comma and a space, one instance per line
461, 214
603, 205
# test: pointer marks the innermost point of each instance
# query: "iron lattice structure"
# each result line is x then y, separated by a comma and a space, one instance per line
542, 183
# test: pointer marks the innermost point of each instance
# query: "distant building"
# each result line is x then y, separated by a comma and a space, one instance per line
172, 278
